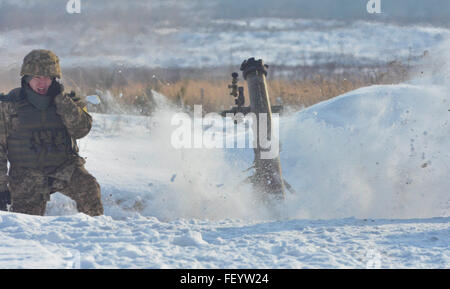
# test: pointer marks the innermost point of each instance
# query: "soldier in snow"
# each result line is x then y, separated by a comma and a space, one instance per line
39, 126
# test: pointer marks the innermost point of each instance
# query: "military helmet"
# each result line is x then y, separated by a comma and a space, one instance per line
41, 62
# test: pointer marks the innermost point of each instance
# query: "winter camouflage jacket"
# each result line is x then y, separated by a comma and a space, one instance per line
73, 114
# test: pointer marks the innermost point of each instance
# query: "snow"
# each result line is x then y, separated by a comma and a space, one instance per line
370, 169
374, 152
79, 241
222, 42
94, 99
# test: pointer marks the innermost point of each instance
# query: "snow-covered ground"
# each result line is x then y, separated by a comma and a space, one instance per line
224, 42
370, 169
79, 241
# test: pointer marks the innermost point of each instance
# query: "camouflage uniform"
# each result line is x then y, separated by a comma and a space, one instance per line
41, 145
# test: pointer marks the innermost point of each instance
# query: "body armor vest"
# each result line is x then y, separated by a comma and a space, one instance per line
41, 140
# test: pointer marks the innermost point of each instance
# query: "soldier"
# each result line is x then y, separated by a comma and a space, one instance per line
39, 126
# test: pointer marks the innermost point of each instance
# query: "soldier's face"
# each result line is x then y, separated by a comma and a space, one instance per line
40, 84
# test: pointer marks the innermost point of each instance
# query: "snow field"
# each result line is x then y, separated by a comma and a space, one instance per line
79, 241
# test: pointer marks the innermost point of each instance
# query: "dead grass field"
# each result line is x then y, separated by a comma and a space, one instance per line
130, 87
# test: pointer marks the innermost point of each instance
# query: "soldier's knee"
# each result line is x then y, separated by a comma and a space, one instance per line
91, 205
82, 177
88, 193
31, 201
30, 208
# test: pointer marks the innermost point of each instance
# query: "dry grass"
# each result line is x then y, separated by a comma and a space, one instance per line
210, 87
214, 95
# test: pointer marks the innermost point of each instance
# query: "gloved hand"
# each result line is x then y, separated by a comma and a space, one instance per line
55, 88
5, 199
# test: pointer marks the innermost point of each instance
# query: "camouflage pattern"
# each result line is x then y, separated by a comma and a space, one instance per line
41, 62
30, 188
39, 144
30, 191
73, 112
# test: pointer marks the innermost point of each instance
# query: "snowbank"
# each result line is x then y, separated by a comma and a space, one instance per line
376, 152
